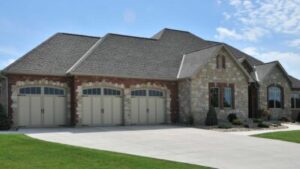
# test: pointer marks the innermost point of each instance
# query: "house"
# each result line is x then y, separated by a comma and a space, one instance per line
174, 76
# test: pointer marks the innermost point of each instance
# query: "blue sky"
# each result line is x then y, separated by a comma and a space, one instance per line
266, 29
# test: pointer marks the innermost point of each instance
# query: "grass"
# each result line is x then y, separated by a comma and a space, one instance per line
290, 136
20, 151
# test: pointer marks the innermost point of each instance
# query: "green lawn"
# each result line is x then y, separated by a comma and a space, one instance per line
19, 151
291, 136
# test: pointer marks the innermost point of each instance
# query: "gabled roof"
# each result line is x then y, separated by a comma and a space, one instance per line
295, 82
135, 57
192, 62
158, 57
54, 56
263, 70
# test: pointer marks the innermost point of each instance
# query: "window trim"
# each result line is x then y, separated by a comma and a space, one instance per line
293, 100
221, 87
281, 97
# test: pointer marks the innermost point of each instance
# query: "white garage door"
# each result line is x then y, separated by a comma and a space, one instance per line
101, 106
147, 106
41, 106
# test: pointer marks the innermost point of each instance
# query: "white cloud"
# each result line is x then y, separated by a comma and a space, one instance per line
129, 16
289, 60
248, 34
294, 43
226, 15
276, 16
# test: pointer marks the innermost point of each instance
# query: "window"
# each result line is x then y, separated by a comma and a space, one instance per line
112, 92
30, 90
214, 97
275, 97
155, 93
53, 91
138, 93
221, 62
295, 101
92, 91
227, 99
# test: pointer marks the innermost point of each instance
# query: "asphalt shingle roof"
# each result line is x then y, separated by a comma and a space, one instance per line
158, 57
54, 56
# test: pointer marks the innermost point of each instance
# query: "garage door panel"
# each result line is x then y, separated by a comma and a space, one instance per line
107, 110
48, 111
152, 110
60, 110
24, 110
86, 110
160, 110
134, 110
35, 110
96, 105
117, 115
143, 110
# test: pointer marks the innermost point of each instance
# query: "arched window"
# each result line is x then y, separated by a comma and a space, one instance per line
275, 97
221, 62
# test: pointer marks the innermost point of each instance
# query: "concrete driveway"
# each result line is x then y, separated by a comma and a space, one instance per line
183, 144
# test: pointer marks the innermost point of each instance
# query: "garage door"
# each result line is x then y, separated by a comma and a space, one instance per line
147, 106
101, 106
41, 106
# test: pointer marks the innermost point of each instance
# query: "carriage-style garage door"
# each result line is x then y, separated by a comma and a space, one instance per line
101, 106
40, 106
147, 106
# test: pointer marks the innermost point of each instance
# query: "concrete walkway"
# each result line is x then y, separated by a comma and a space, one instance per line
291, 126
183, 144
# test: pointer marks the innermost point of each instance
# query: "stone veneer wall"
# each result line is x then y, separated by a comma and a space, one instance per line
275, 77
169, 87
184, 93
210, 74
17, 81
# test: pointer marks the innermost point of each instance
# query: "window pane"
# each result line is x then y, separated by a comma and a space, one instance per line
214, 97
22, 91
275, 98
38, 90
227, 100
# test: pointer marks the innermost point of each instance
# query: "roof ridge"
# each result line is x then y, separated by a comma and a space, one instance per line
74, 34
206, 47
131, 36
86, 54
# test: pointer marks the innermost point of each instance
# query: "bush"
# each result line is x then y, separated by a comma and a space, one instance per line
231, 117
265, 114
211, 118
257, 120
237, 122
225, 126
263, 125
4, 121
284, 119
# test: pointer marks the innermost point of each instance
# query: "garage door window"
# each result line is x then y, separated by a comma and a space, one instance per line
112, 92
53, 91
30, 90
138, 93
155, 93
92, 91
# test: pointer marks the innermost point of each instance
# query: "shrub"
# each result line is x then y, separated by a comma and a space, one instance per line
4, 121
237, 122
265, 114
231, 117
190, 119
211, 118
284, 119
225, 126
257, 120
263, 125
298, 118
